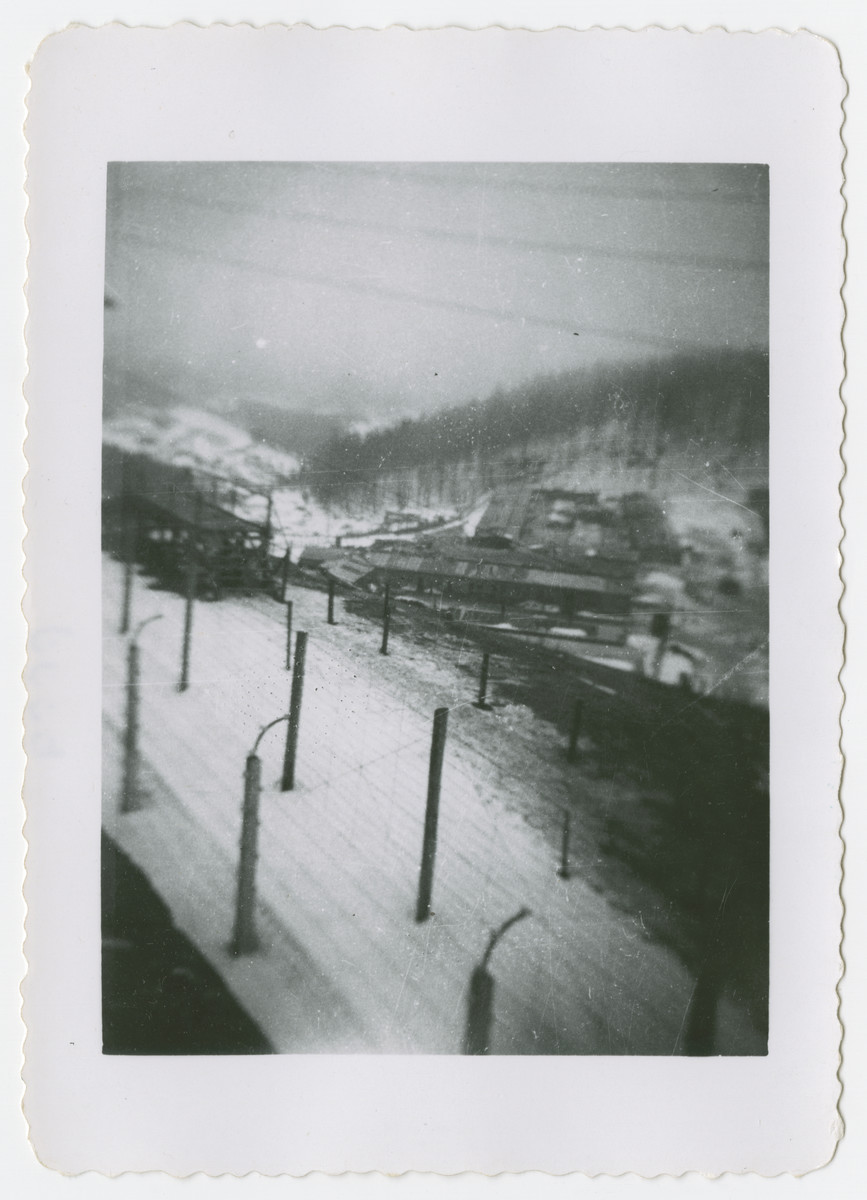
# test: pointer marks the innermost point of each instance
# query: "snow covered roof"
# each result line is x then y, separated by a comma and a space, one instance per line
347, 569
528, 573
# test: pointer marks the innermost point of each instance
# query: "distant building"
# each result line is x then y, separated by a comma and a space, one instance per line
463, 571
571, 522
169, 518
647, 530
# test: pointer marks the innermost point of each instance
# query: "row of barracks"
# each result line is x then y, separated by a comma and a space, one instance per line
463, 572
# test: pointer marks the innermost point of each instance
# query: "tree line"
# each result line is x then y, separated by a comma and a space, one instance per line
715, 398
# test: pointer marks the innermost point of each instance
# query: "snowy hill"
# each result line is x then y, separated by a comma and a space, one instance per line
191, 437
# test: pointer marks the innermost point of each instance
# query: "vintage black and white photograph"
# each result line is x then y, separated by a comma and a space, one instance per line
435, 602
433, 599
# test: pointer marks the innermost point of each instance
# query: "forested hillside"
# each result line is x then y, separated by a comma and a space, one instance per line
718, 400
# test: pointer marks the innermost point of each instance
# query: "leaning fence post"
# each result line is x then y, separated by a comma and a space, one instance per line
128, 798
184, 681
431, 816
480, 1010
287, 783
575, 731
480, 1015
288, 635
244, 939
482, 701
386, 620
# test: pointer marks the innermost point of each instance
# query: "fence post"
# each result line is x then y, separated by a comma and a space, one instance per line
699, 1035
287, 783
563, 872
266, 545
288, 635
431, 816
128, 798
128, 572
480, 1015
480, 1010
184, 681
386, 620
575, 731
331, 620
482, 701
284, 577
244, 939
660, 628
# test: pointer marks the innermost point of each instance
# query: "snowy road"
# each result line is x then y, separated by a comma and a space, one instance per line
344, 967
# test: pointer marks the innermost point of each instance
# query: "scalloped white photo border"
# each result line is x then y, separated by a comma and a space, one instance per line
238, 93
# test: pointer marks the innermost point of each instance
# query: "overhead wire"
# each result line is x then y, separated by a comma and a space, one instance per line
593, 250
397, 295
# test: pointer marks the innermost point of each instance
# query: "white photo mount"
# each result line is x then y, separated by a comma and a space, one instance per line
301, 95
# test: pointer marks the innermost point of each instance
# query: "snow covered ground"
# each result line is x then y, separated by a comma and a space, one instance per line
343, 965
190, 437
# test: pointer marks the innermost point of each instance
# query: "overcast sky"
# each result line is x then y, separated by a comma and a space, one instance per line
385, 289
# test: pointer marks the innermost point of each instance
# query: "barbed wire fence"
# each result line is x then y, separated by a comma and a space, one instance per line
386, 761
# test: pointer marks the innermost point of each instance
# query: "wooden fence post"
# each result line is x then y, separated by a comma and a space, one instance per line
386, 620
184, 681
699, 1035
431, 816
563, 872
244, 939
129, 801
480, 1014
482, 701
331, 620
266, 545
129, 796
480, 1010
288, 635
128, 572
288, 781
284, 577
